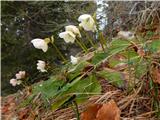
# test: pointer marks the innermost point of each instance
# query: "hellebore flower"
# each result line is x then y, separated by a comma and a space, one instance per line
41, 66
13, 82
20, 75
126, 35
68, 36
40, 44
87, 22
74, 60
73, 29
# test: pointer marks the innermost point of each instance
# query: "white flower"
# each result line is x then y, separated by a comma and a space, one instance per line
68, 36
126, 35
41, 66
20, 75
13, 82
73, 29
87, 22
40, 44
74, 60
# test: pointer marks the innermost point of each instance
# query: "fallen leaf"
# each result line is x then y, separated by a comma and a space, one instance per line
156, 75
120, 66
90, 112
108, 111
23, 113
141, 52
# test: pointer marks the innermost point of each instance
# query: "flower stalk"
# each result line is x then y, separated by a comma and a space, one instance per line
101, 42
84, 48
102, 38
58, 51
90, 40
76, 110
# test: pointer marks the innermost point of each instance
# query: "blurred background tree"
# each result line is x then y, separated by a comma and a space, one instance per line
22, 21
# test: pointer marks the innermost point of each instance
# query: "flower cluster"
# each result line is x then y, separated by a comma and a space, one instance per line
19, 76
72, 31
70, 34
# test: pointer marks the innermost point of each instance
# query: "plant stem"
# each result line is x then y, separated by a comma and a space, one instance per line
58, 51
102, 38
82, 44
76, 111
129, 70
101, 42
84, 48
90, 40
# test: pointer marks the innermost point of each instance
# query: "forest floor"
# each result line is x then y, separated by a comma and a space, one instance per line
134, 106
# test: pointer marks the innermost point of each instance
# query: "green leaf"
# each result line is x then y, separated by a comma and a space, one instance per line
116, 47
86, 87
140, 69
82, 88
98, 57
59, 103
149, 34
154, 46
75, 71
115, 78
120, 43
48, 88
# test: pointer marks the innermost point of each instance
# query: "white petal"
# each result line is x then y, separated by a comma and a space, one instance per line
74, 60
68, 36
87, 22
45, 47
83, 17
41, 66
40, 44
18, 76
73, 29
41, 61
13, 82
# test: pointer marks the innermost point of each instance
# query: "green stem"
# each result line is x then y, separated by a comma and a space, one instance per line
102, 38
89, 39
79, 43
82, 44
129, 70
76, 111
58, 51
101, 42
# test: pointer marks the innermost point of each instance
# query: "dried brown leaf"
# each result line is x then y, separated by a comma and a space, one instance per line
90, 112
108, 111
156, 75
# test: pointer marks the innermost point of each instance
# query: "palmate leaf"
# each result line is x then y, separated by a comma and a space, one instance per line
81, 88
